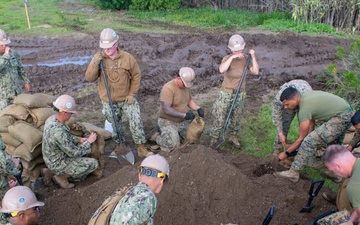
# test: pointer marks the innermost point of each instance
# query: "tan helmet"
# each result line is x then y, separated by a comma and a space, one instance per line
236, 43
187, 76
65, 103
19, 198
156, 162
108, 37
4, 40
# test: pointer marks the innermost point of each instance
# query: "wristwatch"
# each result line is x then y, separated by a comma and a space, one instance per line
287, 153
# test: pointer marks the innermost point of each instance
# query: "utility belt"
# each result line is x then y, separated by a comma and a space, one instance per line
232, 91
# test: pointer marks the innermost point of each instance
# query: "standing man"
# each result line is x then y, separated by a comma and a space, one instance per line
355, 121
123, 77
344, 164
21, 207
282, 117
175, 99
314, 105
11, 69
62, 152
232, 66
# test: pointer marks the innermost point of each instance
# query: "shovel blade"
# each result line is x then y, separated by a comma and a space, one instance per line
217, 144
125, 153
307, 209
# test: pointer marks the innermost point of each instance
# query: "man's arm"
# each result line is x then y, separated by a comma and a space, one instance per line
192, 105
93, 71
355, 215
354, 140
171, 111
255, 66
303, 132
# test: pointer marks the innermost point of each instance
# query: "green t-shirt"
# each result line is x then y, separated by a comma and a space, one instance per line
352, 189
319, 105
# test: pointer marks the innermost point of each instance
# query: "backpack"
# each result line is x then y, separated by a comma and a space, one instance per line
102, 215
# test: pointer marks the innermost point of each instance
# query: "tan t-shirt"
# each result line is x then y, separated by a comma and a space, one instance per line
177, 97
233, 75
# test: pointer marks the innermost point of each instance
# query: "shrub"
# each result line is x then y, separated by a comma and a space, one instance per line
345, 82
154, 5
113, 4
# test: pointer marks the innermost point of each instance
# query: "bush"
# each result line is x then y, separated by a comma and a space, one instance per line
346, 81
154, 5
113, 4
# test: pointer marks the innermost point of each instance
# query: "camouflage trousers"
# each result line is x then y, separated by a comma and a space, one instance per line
78, 168
287, 118
220, 111
3, 190
337, 218
330, 132
171, 133
132, 113
4, 103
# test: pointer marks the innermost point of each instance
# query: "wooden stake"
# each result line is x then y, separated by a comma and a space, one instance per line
27, 14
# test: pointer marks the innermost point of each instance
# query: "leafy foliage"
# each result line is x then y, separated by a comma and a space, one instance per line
345, 82
113, 4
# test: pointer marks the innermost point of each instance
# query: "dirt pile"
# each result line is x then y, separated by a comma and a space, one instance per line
205, 187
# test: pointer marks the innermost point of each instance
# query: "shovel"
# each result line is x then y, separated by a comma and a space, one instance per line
217, 144
129, 156
312, 194
269, 216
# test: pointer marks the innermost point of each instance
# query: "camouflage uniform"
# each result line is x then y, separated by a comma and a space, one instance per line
335, 219
62, 152
7, 167
330, 132
172, 133
11, 69
220, 111
132, 112
138, 206
123, 77
282, 117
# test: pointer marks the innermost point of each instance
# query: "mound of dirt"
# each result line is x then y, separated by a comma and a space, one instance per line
205, 187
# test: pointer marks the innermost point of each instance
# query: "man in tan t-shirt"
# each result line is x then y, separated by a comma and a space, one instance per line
175, 99
232, 66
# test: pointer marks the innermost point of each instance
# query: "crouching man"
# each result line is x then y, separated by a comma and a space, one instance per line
343, 163
62, 152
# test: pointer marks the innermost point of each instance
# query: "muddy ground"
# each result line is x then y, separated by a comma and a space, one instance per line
206, 187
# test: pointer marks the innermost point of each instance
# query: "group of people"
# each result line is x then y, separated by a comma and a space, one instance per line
119, 77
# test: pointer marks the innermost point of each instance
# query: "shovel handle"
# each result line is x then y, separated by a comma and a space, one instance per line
313, 193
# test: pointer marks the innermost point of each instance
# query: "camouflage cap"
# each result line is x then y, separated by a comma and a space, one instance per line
4, 40
108, 37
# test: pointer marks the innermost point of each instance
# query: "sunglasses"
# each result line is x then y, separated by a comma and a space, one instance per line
28, 211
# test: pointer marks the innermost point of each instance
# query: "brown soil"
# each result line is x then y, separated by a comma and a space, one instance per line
206, 187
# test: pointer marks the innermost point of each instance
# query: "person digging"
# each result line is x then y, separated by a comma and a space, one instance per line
314, 105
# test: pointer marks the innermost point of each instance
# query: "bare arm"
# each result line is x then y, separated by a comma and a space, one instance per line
303, 132
192, 105
171, 111
224, 66
255, 66
355, 214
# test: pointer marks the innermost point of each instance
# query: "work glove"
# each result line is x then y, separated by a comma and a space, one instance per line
130, 100
200, 112
189, 116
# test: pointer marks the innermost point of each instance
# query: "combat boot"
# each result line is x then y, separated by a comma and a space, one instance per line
62, 181
47, 176
234, 141
98, 172
291, 174
142, 151
330, 197
118, 151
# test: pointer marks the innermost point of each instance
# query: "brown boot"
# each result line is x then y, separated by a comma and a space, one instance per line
47, 176
98, 172
118, 151
62, 181
142, 151
234, 141
330, 197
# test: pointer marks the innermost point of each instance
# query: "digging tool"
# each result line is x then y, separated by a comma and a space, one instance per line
314, 222
217, 144
269, 216
129, 156
312, 194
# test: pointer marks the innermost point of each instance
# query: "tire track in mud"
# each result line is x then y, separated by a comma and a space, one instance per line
281, 57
